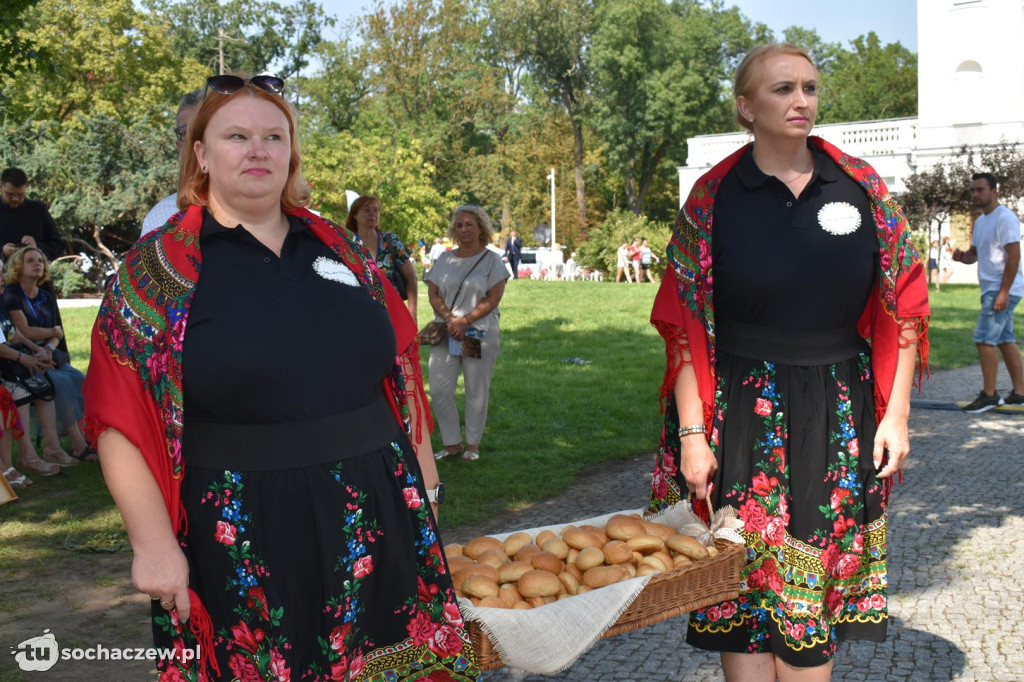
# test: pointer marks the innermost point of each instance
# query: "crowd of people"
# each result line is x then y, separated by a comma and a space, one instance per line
36, 375
283, 514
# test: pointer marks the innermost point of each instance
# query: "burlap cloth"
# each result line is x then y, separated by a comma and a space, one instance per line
549, 638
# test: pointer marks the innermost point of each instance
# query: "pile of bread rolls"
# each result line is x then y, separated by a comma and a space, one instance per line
524, 571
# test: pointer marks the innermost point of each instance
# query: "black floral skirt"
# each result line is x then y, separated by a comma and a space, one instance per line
324, 572
794, 447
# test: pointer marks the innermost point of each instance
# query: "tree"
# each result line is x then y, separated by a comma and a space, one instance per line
100, 175
248, 36
11, 45
426, 76
871, 81
659, 76
97, 58
552, 37
391, 168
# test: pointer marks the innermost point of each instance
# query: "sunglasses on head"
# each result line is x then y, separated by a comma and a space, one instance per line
229, 85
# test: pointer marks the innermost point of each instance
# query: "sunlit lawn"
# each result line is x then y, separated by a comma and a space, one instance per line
576, 385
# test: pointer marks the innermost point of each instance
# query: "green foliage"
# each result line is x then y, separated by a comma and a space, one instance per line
97, 58
99, 175
659, 76
247, 36
620, 225
67, 279
869, 81
392, 170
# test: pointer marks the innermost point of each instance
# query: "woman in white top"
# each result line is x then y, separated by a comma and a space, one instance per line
464, 288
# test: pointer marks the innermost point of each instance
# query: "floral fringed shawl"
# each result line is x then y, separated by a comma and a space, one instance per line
684, 314
134, 382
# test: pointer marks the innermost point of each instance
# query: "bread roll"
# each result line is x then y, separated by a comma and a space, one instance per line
645, 544
544, 536
526, 551
546, 561
513, 571
571, 556
589, 558
572, 568
457, 563
583, 588
452, 549
646, 569
480, 586
599, 576
665, 556
477, 546
509, 594
475, 569
493, 603
580, 539
521, 605
659, 529
556, 546
656, 562
493, 557
617, 552
691, 547
712, 550
596, 533
534, 602
681, 560
515, 542
569, 582
623, 528
539, 584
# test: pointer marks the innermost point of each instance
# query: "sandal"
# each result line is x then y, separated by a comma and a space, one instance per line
37, 465
470, 455
88, 455
16, 479
59, 457
445, 452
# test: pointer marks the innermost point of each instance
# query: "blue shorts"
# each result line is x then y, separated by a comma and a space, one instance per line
995, 327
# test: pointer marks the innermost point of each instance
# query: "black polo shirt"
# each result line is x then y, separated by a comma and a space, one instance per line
273, 340
789, 262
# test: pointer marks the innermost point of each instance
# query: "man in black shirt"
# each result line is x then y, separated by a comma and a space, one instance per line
25, 222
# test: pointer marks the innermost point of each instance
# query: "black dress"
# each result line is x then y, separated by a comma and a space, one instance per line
794, 419
309, 536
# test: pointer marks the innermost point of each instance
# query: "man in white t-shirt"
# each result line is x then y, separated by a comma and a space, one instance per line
995, 246
168, 206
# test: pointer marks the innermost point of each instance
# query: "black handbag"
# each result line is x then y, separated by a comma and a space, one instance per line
37, 384
398, 280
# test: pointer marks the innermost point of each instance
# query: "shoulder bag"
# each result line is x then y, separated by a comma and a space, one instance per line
436, 331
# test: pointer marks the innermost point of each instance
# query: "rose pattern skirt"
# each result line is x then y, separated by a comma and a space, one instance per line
794, 447
367, 595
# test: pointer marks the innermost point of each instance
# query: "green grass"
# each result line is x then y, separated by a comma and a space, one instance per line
548, 420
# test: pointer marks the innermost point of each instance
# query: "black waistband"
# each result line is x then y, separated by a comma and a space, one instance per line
788, 346
288, 445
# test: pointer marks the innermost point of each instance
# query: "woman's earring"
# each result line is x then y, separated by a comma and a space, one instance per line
203, 168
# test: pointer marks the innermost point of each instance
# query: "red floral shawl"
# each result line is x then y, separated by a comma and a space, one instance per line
684, 313
134, 379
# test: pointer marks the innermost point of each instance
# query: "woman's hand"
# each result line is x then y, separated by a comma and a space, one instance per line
58, 331
892, 435
161, 571
32, 362
698, 463
457, 327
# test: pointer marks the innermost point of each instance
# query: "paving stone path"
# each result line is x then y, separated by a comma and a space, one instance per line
956, 529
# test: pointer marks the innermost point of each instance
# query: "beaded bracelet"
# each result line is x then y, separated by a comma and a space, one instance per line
692, 429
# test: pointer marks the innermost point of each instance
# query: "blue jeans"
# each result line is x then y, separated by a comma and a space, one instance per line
995, 327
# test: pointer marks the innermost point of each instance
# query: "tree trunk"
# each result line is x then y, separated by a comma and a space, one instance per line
581, 189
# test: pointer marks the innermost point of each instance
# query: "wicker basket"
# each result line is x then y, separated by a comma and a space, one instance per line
665, 596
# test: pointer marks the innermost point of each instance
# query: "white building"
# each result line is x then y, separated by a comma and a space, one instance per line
970, 91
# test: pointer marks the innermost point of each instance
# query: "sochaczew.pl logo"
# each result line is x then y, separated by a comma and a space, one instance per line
42, 653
